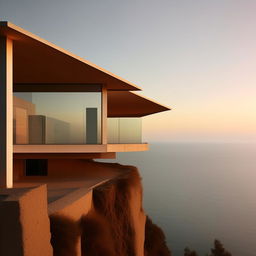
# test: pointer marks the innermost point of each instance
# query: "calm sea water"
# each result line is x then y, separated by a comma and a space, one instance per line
199, 192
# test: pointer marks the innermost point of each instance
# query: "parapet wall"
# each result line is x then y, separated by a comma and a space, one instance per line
24, 225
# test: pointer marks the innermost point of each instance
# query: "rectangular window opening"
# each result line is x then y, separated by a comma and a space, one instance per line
36, 167
57, 118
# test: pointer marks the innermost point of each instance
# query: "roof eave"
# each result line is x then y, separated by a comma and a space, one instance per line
22, 32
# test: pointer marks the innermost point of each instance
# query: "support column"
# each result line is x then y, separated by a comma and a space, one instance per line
104, 115
6, 112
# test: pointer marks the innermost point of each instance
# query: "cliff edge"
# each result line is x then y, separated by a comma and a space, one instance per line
106, 219
117, 224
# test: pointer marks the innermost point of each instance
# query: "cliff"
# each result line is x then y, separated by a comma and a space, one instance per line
86, 208
116, 225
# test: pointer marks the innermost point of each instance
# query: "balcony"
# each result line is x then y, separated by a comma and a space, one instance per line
124, 130
69, 122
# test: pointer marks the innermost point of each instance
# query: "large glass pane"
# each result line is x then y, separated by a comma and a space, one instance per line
124, 130
57, 118
113, 130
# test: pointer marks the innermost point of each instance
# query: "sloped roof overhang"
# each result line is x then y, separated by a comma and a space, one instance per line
130, 104
37, 62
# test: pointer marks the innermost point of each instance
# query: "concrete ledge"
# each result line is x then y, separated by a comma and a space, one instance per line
65, 214
127, 147
73, 205
103, 148
59, 148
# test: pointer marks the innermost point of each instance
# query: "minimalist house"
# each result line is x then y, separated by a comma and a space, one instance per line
55, 105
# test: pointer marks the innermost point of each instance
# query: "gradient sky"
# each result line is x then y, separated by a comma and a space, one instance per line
196, 56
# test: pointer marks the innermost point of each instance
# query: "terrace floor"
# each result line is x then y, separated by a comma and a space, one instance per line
59, 188
93, 175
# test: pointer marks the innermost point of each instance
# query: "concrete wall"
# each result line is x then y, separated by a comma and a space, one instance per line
68, 169
25, 226
25, 221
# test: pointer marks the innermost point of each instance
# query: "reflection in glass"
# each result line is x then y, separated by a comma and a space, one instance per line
57, 118
124, 130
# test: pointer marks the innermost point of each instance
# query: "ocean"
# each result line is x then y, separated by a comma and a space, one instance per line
197, 192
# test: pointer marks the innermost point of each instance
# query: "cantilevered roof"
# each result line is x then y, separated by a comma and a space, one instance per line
39, 65
37, 61
130, 104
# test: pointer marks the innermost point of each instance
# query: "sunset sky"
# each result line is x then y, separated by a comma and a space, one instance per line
198, 57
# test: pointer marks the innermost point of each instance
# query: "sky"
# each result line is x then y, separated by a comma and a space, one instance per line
196, 56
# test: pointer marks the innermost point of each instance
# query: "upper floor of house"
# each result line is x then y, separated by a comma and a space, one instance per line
65, 104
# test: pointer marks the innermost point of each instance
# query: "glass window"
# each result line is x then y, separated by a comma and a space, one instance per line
57, 118
124, 130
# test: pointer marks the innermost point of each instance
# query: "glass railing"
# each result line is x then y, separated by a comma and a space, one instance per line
57, 118
124, 130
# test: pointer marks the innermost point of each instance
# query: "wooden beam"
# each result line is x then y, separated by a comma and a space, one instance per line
6, 115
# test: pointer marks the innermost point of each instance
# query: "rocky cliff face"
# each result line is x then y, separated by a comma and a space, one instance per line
116, 225
155, 243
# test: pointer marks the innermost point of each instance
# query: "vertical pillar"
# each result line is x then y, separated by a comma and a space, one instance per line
6, 112
104, 115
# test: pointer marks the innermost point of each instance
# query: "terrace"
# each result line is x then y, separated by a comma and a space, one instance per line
65, 104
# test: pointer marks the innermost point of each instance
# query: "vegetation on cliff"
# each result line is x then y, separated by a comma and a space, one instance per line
155, 242
218, 250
